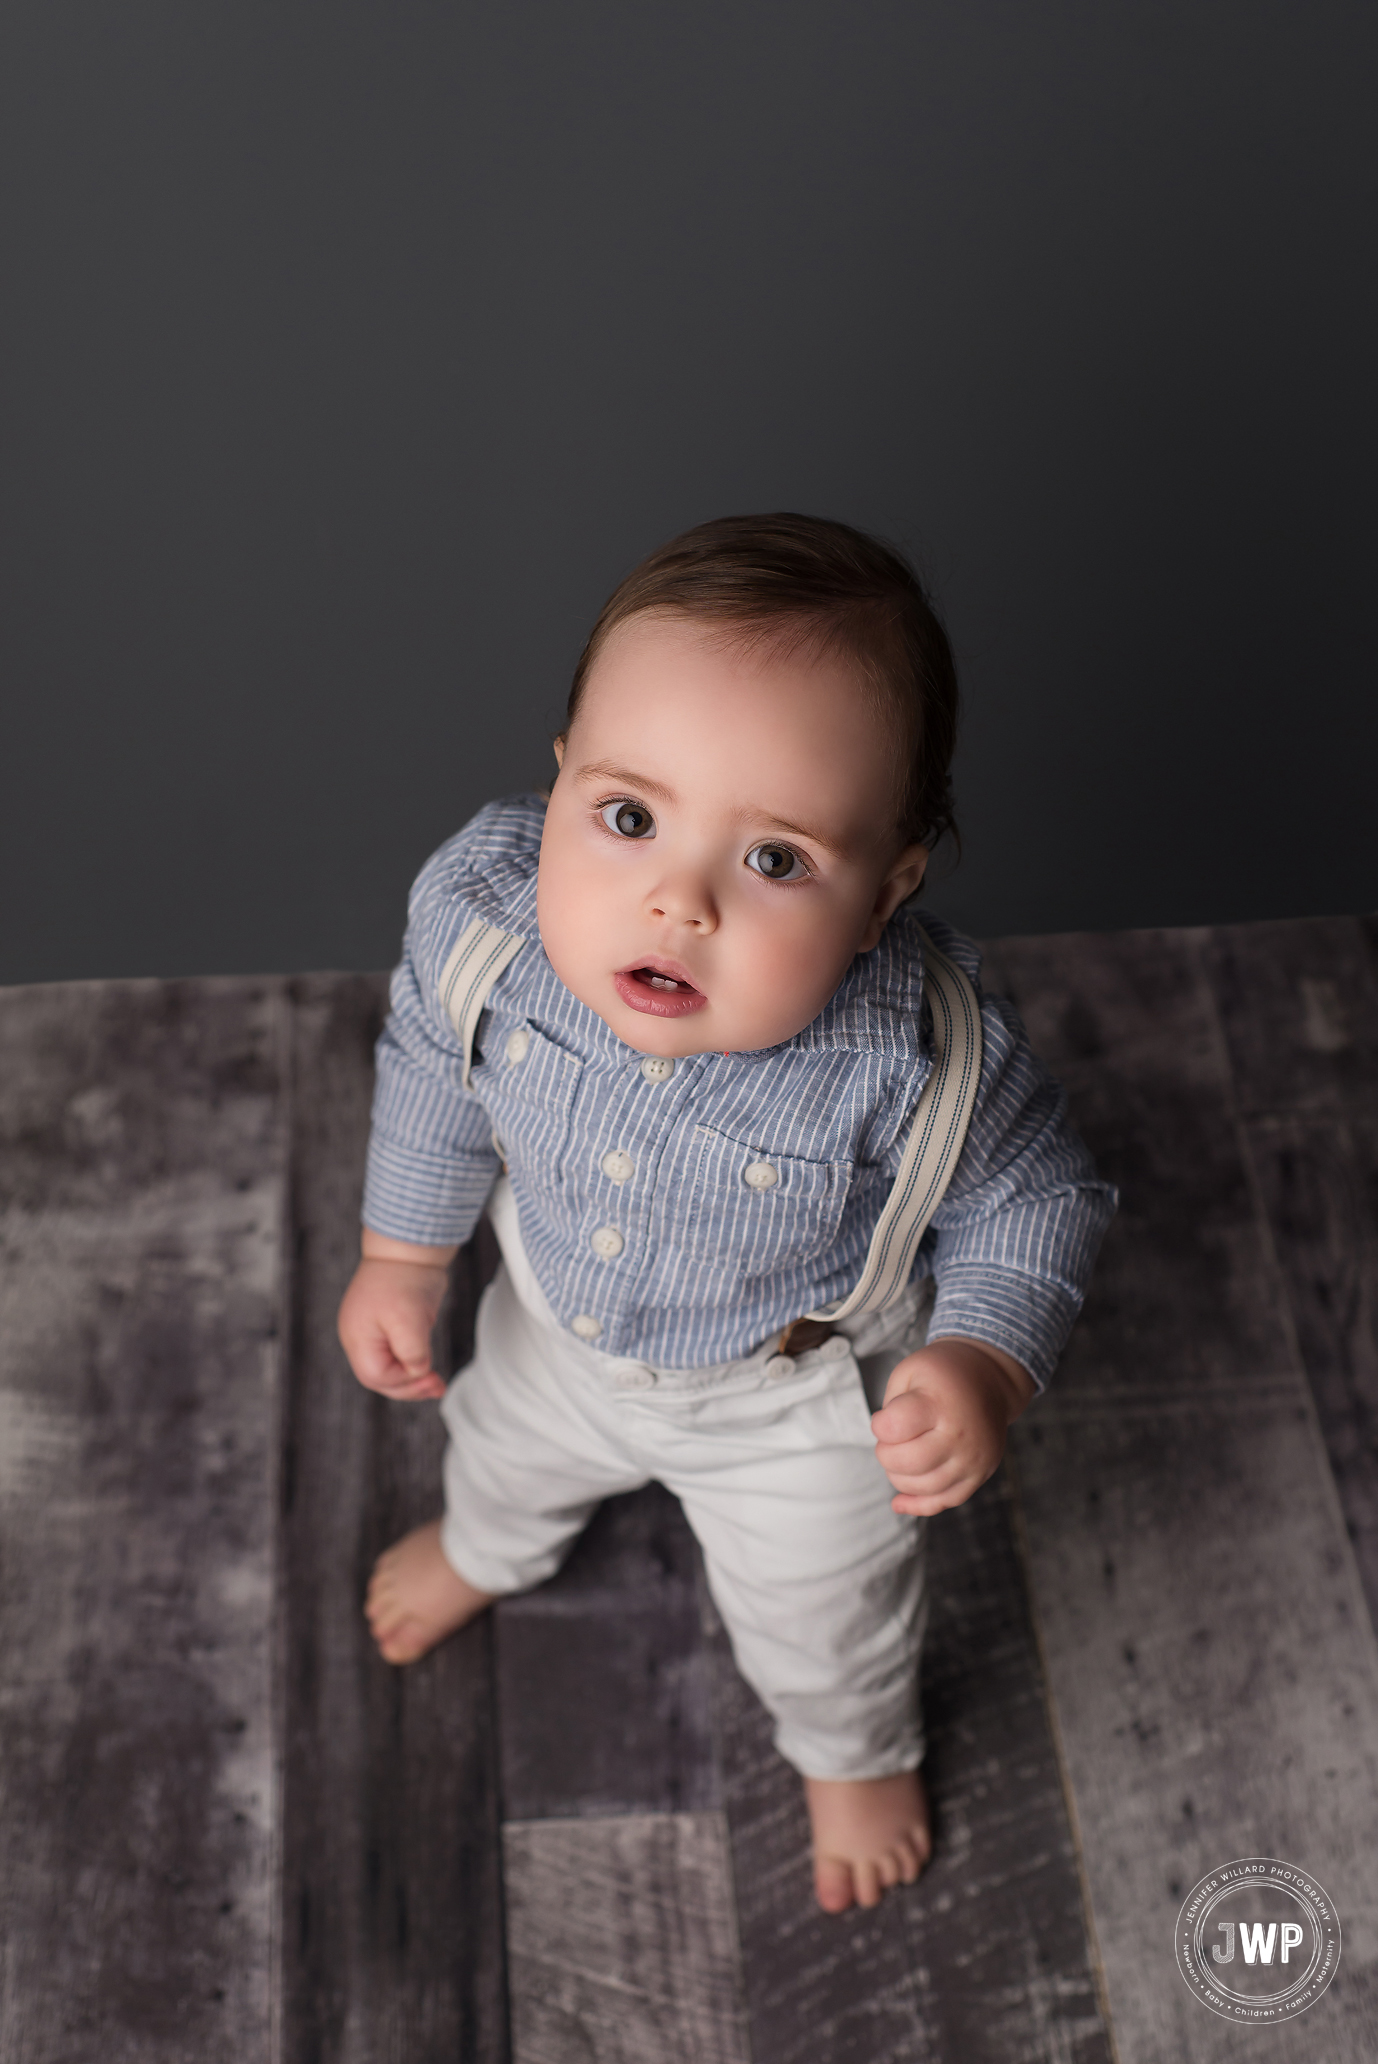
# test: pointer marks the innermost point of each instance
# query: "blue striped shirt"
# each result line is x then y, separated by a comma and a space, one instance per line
629, 1179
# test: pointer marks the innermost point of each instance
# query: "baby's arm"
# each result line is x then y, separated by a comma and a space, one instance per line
941, 1431
431, 1160
1011, 1248
388, 1314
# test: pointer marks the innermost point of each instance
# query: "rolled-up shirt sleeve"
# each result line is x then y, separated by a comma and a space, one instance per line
1012, 1244
431, 1159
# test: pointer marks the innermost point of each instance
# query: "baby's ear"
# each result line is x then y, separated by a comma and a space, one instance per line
901, 880
559, 742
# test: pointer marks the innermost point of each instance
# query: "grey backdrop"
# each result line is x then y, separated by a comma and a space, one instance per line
353, 350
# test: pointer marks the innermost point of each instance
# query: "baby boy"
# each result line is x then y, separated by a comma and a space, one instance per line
672, 1029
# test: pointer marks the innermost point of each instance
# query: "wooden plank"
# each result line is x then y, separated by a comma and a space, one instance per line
602, 1674
1211, 1660
817, 1986
141, 1192
1216, 1689
1299, 1006
1125, 1024
391, 1877
996, 1927
622, 1941
987, 1956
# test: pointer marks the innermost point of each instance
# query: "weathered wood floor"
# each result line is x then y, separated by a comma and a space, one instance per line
230, 1832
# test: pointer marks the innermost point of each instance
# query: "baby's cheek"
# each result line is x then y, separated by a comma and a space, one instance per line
799, 965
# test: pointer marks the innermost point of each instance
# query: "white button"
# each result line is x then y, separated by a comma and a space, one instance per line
636, 1379
617, 1166
607, 1241
761, 1175
657, 1070
780, 1365
838, 1348
586, 1327
517, 1043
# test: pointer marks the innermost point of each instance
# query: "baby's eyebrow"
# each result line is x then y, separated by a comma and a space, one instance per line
816, 838
604, 770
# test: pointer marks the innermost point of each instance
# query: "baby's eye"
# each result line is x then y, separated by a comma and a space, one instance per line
776, 863
628, 820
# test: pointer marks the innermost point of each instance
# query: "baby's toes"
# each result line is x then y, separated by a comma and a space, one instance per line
403, 1643
832, 1883
909, 1861
866, 1879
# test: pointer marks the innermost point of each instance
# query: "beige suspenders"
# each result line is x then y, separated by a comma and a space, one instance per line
468, 975
935, 1139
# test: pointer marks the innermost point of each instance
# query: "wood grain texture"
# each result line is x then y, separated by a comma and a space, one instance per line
602, 1674
1209, 1652
987, 1956
391, 1877
818, 1986
996, 1928
141, 1181
1299, 1007
622, 1941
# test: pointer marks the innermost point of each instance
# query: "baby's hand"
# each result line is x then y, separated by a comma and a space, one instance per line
387, 1315
941, 1431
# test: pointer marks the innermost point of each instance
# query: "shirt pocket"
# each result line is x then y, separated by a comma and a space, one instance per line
755, 1211
528, 1088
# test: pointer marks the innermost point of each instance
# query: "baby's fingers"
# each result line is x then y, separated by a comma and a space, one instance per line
379, 1367
940, 1495
906, 1418
407, 1389
915, 1458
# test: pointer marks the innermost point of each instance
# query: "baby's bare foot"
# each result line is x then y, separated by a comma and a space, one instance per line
415, 1599
868, 1834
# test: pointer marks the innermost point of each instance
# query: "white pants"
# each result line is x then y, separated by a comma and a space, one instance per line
819, 1583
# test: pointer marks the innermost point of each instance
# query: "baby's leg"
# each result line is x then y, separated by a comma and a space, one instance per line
821, 1587
527, 1463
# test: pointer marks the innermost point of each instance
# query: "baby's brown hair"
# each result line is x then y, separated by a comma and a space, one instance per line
788, 582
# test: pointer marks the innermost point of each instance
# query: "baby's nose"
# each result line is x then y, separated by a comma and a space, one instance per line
685, 901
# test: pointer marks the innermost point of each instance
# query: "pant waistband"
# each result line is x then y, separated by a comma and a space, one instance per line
801, 1346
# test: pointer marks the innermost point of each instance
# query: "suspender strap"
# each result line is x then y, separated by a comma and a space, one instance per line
467, 977
935, 1141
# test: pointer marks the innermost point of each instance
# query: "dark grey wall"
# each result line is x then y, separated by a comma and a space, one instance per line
352, 351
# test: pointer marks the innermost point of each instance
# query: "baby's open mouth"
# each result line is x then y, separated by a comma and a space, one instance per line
656, 990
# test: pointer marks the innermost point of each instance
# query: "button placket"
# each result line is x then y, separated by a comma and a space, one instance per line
617, 1165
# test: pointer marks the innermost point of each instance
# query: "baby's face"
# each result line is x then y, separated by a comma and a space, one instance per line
720, 841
